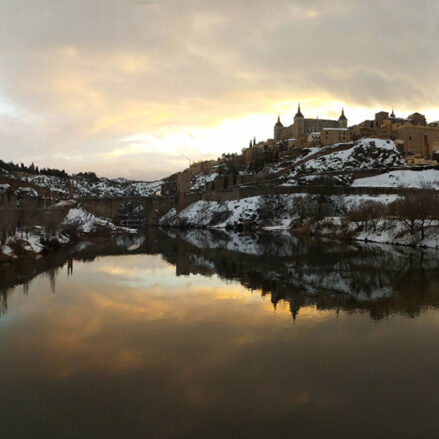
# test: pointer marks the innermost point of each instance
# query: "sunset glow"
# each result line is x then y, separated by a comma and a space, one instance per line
139, 88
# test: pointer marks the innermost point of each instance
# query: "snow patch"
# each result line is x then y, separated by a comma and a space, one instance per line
425, 179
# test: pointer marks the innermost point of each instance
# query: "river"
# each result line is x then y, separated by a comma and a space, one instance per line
210, 335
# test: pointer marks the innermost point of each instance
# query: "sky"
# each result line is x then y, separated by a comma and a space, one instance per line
140, 88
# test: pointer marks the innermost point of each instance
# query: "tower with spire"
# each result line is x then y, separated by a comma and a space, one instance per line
342, 120
278, 127
299, 123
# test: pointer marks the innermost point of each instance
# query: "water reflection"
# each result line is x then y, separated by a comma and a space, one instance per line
116, 340
332, 275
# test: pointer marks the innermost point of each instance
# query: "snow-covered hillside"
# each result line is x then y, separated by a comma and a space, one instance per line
99, 188
362, 154
276, 212
105, 187
55, 184
422, 179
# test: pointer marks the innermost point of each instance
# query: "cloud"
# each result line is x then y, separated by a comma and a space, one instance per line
77, 77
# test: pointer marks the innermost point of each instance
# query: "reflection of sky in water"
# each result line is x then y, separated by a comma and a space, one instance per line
137, 271
124, 347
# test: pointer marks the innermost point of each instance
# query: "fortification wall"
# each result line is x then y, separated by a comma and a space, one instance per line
239, 193
8, 213
26, 212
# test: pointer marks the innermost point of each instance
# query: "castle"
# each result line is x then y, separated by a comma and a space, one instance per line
413, 134
304, 126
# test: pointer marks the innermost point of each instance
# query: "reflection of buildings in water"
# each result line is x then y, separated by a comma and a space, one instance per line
70, 267
380, 280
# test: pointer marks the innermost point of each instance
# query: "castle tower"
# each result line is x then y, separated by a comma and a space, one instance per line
342, 121
278, 129
392, 116
299, 124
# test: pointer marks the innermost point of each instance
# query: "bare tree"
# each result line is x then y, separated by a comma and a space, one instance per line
417, 211
367, 214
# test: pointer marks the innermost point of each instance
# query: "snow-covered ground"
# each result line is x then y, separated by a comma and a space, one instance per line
200, 180
85, 222
306, 153
268, 212
362, 154
422, 179
348, 202
225, 214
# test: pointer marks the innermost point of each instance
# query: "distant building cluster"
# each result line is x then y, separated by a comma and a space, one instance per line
326, 131
412, 134
417, 138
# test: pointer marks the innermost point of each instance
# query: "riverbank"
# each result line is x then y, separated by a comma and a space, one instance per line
408, 219
77, 226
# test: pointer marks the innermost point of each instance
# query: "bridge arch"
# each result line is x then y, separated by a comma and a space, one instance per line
148, 208
131, 213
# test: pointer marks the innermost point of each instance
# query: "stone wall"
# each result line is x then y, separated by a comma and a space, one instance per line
27, 212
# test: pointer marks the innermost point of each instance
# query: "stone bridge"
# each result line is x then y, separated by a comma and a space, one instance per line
153, 207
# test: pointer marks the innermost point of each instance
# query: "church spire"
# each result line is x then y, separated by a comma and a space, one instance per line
342, 117
299, 113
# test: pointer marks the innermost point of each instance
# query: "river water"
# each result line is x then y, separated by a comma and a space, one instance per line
201, 335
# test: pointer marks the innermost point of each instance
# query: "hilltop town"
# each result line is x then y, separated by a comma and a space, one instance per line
316, 176
416, 139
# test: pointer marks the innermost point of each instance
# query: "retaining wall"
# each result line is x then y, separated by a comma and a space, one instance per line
246, 192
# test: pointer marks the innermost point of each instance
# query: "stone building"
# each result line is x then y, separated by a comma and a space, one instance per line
419, 139
304, 126
329, 136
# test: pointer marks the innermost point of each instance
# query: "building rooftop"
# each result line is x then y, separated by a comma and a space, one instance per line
335, 129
